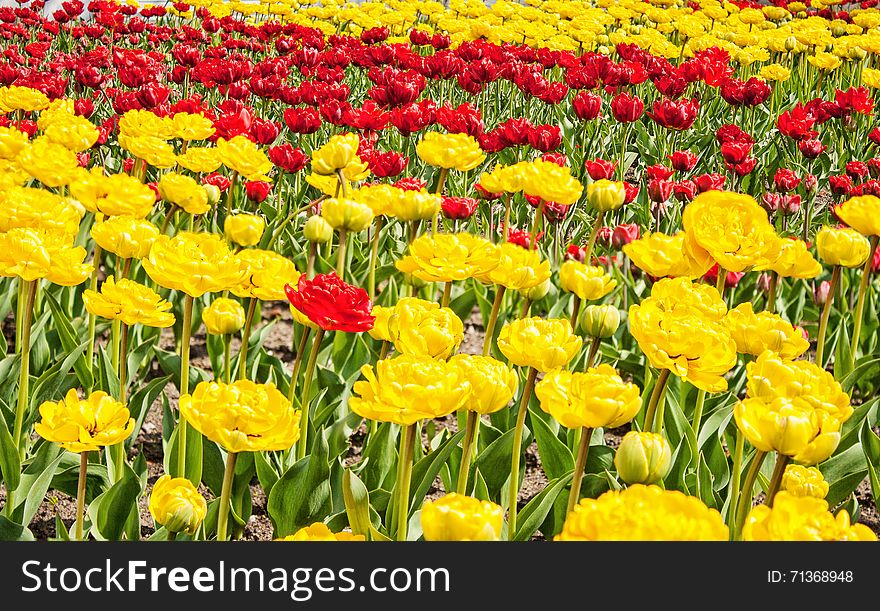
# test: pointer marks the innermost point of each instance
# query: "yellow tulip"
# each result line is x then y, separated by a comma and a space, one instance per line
84, 425
539, 343
597, 398
177, 505
223, 316
455, 517
129, 302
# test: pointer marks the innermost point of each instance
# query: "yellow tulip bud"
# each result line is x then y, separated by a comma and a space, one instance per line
643, 458
321, 532
318, 230
804, 481
347, 214
244, 229
337, 153
844, 246
223, 316
586, 281
456, 517
600, 320
537, 292
177, 505
605, 195
213, 192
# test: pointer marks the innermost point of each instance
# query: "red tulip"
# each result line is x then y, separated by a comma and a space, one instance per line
257, 190
599, 169
288, 158
811, 148
386, 164
331, 303
457, 208
676, 115
658, 171
710, 182
586, 105
683, 161
684, 190
786, 180
627, 108
624, 234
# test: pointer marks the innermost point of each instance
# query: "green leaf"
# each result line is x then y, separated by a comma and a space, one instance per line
140, 402
10, 465
494, 461
36, 479
843, 357
871, 446
302, 495
13, 531
380, 455
194, 453
116, 504
266, 473
69, 343
357, 503
425, 471
535, 512
556, 458
844, 472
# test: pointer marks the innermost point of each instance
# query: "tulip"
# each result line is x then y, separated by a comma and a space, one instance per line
177, 505
643, 513
802, 518
643, 458
804, 481
456, 517
317, 230
321, 532
244, 229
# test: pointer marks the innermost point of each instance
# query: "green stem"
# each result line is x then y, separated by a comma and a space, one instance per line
184, 383
297, 363
340, 253
776, 479
513, 492
744, 500
863, 290
223, 512
447, 293
246, 338
659, 386
695, 424
466, 451
594, 350
81, 494
771, 293
403, 482
229, 192
579, 466
721, 281
307, 387
591, 243
826, 314
493, 319
735, 477
374, 257
310, 261
24, 374
227, 344
575, 311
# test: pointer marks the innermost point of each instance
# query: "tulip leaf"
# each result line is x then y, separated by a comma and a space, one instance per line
871, 445
481, 491
556, 458
494, 461
68, 338
36, 479
266, 473
357, 503
13, 531
302, 495
844, 472
115, 505
10, 465
380, 455
537, 509
843, 356
425, 471
194, 455
140, 402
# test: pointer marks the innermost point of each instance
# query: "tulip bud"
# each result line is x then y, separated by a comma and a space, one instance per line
643, 458
346, 214
763, 283
821, 292
213, 194
606, 195
177, 505
791, 43
537, 292
318, 230
857, 53
244, 229
811, 184
223, 316
600, 320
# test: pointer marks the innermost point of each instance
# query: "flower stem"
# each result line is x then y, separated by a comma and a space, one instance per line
863, 289
340, 253
226, 491
24, 375
227, 343
721, 281
81, 494
513, 492
374, 257
93, 285
467, 443
695, 424
307, 387
575, 311
594, 350
403, 482
493, 319
771, 292
591, 242
297, 363
229, 191
246, 337
310, 262
776, 479
744, 501
447, 293
826, 314
184, 383
659, 386
579, 466
735, 478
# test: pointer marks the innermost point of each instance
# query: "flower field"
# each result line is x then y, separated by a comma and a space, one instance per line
560, 270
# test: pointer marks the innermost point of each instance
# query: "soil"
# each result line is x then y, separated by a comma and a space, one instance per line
259, 528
